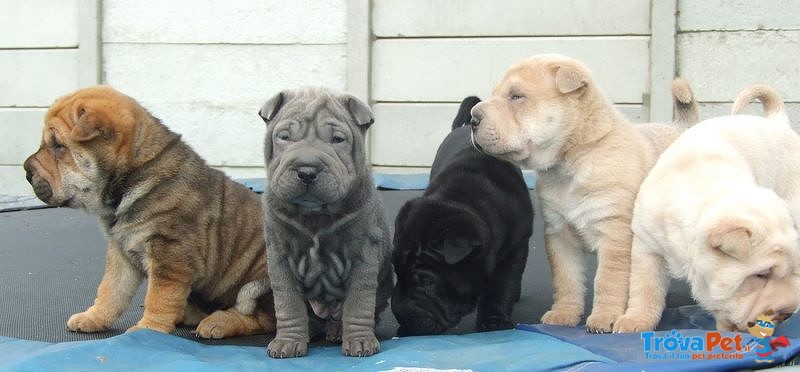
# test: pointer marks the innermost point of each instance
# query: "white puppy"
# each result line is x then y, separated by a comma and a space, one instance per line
717, 210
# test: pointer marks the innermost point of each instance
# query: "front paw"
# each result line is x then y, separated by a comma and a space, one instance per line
630, 323
87, 322
601, 321
562, 318
494, 325
144, 324
286, 348
361, 346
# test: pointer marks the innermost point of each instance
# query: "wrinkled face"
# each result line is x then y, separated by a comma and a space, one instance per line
314, 150
437, 259
759, 271
531, 112
80, 131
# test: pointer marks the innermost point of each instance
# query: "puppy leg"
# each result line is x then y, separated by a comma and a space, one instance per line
168, 286
117, 288
231, 323
358, 312
502, 291
565, 253
291, 339
613, 246
648, 290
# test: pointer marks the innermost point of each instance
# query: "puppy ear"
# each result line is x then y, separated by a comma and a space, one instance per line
570, 79
732, 237
455, 249
87, 126
464, 114
271, 107
359, 111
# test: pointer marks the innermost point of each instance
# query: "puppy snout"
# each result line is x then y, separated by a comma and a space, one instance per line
28, 170
307, 175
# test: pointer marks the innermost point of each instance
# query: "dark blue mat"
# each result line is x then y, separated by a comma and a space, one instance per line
386, 181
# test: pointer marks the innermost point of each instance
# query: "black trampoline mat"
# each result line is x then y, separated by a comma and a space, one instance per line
51, 261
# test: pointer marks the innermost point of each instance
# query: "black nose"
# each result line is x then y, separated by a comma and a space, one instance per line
475, 122
28, 171
307, 175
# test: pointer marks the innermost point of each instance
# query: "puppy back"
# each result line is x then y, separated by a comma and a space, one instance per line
769, 98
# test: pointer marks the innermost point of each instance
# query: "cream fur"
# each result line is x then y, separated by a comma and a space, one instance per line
547, 114
719, 209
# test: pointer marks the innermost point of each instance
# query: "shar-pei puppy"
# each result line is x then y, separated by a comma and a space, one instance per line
328, 239
464, 243
193, 232
720, 209
548, 114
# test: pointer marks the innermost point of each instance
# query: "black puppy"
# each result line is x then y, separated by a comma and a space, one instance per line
464, 242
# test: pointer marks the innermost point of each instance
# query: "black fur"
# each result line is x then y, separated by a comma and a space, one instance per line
464, 243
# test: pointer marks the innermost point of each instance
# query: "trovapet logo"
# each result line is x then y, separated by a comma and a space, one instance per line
674, 346
715, 346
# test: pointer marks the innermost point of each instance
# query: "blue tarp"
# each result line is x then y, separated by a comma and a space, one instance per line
529, 347
147, 350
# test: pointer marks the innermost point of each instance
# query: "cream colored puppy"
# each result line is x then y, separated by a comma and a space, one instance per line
717, 210
547, 114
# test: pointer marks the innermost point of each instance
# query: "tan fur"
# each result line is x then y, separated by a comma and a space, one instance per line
684, 105
719, 209
167, 215
547, 114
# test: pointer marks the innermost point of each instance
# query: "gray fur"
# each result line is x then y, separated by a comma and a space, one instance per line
328, 241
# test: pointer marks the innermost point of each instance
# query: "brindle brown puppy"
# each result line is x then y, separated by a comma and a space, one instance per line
191, 230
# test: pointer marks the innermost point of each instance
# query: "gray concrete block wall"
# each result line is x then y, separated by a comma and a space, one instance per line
204, 66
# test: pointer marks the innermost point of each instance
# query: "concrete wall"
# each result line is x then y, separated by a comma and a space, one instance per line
204, 67
31, 42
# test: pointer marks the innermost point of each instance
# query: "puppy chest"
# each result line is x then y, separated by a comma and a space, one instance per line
322, 272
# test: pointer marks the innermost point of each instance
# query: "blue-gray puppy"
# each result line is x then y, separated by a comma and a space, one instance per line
327, 239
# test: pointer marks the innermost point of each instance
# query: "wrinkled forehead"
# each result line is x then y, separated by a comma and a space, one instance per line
312, 106
524, 75
57, 120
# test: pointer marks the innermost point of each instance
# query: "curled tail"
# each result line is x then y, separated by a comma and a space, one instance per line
684, 103
769, 98
464, 116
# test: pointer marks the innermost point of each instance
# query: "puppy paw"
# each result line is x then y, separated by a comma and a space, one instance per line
493, 325
360, 346
629, 323
601, 321
87, 322
218, 325
286, 348
562, 318
333, 332
143, 324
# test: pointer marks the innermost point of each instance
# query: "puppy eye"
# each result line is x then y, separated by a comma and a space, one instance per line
337, 138
284, 135
515, 97
58, 149
763, 274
